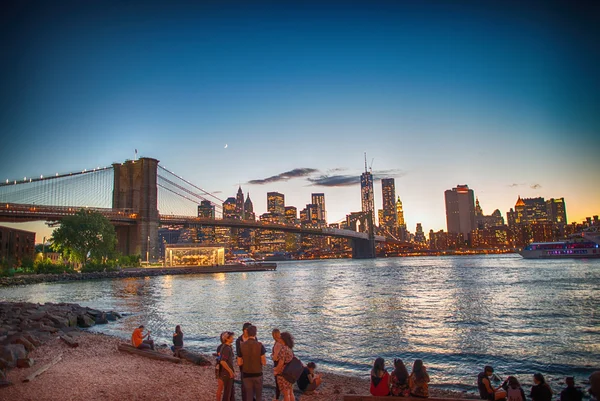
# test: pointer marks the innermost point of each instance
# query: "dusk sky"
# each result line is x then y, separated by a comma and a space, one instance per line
501, 96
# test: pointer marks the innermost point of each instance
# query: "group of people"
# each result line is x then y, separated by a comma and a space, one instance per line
250, 357
399, 383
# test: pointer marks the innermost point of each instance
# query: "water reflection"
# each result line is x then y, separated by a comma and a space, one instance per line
455, 313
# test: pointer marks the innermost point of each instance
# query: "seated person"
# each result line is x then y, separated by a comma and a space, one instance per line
571, 393
308, 381
486, 391
137, 339
380, 379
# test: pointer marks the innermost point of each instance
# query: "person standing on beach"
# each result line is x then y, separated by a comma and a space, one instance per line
251, 361
238, 351
418, 380
226, 372
177, 340
486, 391
541, 391
571, 393
284, 357
380, 379
137, 339
274, 356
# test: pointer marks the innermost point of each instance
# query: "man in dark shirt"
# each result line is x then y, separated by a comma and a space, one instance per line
571, 393
486, 391
238, 352
251, 361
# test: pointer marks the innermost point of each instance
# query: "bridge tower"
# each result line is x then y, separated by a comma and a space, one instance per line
135, 187
365, 248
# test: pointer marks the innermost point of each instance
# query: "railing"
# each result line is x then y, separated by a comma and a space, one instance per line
16, 210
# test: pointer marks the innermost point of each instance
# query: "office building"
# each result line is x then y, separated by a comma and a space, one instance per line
390, 214
229, 208
249, 209
206, 210
16, 245
276, 203
239, 204
556, 211
419, 234
460, 210
367, 198
319, 201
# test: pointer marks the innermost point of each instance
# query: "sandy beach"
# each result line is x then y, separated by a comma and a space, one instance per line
96, 370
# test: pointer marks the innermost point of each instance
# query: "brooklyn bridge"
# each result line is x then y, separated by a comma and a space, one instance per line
138, 197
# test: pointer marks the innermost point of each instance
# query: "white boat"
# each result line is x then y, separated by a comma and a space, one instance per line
584, 245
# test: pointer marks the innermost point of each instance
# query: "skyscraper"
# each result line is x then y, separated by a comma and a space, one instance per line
249, 209
390, 215
401, 223
229, 208
460, 210
319, 200
556, 211
366, 191
206, 210
276, 203
239, 204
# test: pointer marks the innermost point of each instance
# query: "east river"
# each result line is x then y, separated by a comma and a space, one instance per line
455, 313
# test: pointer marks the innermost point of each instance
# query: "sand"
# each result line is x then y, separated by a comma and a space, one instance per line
96, 370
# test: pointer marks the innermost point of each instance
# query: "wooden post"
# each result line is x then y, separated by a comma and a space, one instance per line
147, 353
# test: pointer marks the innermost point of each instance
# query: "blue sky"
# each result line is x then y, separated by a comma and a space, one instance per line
504, 97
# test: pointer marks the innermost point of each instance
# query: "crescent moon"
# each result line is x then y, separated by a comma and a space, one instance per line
225, 146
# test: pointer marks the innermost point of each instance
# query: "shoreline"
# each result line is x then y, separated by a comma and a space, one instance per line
90, 366
97, 370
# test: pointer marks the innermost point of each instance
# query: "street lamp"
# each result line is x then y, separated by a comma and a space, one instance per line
148, 252
43, 248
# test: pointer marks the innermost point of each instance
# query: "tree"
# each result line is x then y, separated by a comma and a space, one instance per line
87, 235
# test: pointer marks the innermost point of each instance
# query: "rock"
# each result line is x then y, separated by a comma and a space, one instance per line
351, 391
11, 352
59, 321
101, 318
72, 318
3, 364
48, 329
24, 363
85, 321
22, 340
112, 316
32, 339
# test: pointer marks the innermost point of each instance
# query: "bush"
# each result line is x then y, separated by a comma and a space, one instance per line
27, 263
47, 267
92, 267
129, 261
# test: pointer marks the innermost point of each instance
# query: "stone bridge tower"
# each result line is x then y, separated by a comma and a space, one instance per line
135, 187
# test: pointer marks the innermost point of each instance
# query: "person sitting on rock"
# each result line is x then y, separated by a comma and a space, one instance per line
137, 339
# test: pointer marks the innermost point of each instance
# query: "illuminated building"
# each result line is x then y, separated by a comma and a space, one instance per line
229, 209
366, 191
380, 218
419, 234
402, 234
206, 234
390, 215
460, 210
556, 210
483, 221
292, 240
303, 215
206, 210
239, 204
270, 241
291, 215
319, 200
276, 203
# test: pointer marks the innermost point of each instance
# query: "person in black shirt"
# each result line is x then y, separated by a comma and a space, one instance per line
177, 340
238, 353
308, 381
541, 391
571, 393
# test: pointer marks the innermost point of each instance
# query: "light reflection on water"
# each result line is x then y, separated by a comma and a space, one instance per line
455, 313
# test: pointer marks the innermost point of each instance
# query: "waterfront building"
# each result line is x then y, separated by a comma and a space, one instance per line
276, 203
292, 240
460, 210
390, 213
206, 210
15, 244
270, 241
318, 199
194, 255
239, 204
419, 234
482, 221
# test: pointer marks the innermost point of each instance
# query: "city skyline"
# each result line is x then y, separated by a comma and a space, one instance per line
503, 99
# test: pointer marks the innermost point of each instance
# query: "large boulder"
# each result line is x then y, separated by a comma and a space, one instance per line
59, 321
101, 318
32, 339
84, 320
12, 352
72, 318
23, 341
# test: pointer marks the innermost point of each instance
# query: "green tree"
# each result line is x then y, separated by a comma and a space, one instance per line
87, 235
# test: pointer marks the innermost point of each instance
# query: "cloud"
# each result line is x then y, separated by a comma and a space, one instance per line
513, 185
216, 192
535, 186
335, 180
392, 173
295, 173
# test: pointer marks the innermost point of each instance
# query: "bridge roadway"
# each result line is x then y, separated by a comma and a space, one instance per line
13, 212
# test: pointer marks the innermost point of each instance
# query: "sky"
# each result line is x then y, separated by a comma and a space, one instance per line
501, 96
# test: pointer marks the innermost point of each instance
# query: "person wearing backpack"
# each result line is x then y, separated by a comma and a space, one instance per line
514, 392
285, 357
251, 361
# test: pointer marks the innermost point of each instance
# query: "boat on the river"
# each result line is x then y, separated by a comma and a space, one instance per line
584, 245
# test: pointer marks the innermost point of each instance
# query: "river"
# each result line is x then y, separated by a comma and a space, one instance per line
457, 314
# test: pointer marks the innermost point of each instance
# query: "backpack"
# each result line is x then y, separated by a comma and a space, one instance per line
293, 370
